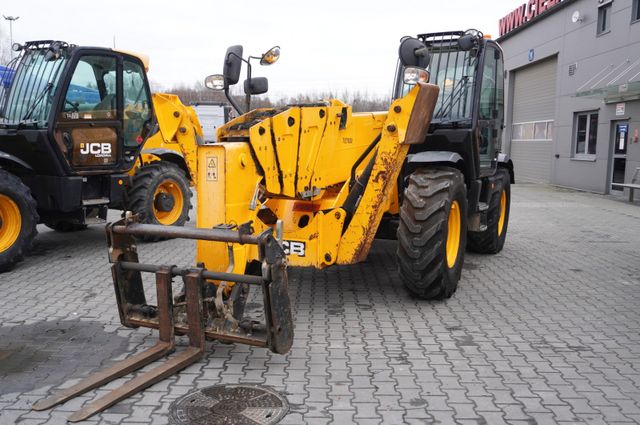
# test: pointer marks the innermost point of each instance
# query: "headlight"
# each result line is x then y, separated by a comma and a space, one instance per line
414, 75
271, 56
16, 47
214, 82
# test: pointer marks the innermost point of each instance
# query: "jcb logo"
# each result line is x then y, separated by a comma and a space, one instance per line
98, 149
294, 248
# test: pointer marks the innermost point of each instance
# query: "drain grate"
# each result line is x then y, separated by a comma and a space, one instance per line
229, 404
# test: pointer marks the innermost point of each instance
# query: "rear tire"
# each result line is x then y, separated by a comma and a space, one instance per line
432, 232
491, 241
151, 183
19, 217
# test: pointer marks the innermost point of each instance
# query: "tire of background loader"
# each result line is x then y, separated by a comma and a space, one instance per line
65, 226
16, 201
491, 241
423, 232
146, 181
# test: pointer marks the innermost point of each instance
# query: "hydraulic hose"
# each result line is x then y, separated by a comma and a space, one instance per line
361, 158
357, 190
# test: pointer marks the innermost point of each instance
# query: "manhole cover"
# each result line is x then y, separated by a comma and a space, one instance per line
229, 404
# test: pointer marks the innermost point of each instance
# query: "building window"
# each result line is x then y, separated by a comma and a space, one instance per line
635, 11
586, 134
604, 18
539, 131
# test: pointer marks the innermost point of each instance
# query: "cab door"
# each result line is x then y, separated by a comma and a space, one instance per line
490, 113
137, 106
88, 129
104, 113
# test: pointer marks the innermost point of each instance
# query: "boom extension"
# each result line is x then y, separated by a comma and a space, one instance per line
327, 173
211, 308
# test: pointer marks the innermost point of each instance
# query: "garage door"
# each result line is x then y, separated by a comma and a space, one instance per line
533, 114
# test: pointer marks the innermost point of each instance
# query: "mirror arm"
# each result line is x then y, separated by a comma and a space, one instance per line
247, 96
232, 101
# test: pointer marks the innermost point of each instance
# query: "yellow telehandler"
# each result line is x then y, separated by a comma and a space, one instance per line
159, 190
312, 185
166, 169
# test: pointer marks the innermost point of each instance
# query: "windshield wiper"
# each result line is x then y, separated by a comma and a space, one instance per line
36, 103
459, 90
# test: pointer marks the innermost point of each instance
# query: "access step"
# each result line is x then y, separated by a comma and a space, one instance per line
96, 201
483, 206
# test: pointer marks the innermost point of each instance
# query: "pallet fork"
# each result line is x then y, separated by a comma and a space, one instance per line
195, 314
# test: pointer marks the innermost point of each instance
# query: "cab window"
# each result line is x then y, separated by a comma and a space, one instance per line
92, 92
491, 90
491, 109
136, 103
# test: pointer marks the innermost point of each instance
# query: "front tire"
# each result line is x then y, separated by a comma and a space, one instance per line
491, 241
432, 232
160, 194
18, 220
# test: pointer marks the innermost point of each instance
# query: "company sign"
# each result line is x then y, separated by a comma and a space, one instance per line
524, 14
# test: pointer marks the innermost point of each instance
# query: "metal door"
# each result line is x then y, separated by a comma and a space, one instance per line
620, 133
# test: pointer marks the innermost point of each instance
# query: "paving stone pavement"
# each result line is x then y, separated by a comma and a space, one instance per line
546, 332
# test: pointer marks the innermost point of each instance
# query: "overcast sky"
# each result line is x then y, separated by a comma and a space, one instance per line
328, 45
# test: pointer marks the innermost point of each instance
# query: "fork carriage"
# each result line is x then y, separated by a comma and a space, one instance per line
211, 307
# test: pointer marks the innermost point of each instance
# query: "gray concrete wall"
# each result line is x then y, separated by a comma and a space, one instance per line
577, 43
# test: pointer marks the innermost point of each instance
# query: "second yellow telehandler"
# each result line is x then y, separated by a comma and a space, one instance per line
166, 169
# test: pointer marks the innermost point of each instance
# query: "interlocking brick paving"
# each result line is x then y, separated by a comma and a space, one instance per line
546, 332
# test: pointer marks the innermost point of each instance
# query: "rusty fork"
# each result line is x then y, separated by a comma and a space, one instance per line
197, 317
165, 345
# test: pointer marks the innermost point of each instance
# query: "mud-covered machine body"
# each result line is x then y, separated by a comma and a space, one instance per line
312, 185
336, 179
270, 168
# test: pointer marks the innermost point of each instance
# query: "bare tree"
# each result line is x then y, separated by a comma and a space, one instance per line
156, 87
359, 101
195, 92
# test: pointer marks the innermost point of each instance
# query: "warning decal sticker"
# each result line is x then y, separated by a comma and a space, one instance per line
212, 168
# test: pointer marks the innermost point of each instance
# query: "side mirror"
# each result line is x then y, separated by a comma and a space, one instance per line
414, 52
258, 85
470, 39
271, 56
232, 65
466, 42
214, 82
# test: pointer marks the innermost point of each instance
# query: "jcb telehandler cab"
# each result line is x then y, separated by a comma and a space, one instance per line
454, 188
72, 122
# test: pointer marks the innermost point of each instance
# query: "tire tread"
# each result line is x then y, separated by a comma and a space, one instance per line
421, 233
26, 238
140, 191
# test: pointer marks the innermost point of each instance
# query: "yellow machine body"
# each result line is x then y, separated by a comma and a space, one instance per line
294, 166
179, 132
